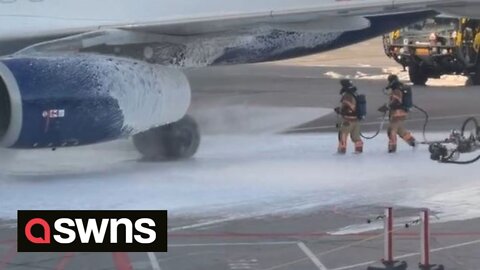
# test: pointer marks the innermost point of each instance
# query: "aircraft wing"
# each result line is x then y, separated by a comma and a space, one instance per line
304, 15
335, 12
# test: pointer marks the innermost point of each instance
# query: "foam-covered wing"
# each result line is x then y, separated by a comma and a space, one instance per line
287, 15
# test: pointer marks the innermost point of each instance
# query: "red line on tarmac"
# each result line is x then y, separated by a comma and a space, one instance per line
260, 235
64, 261
8, 257
121, 260
315, 234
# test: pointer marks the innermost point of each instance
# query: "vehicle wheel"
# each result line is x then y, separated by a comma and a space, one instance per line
469, 81
417, 75
179, 140
474, 79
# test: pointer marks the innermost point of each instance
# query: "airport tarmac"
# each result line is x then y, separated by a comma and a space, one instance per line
273, 242
253, 200
230, 89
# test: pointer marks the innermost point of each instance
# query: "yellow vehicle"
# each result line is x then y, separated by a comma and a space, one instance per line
437, 46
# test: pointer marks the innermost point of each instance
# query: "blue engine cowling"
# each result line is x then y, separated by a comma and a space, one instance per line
71, 100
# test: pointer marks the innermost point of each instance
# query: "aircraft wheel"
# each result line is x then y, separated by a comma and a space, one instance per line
179, 140
417, 75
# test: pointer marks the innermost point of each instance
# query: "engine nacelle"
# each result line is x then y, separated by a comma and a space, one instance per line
79, 99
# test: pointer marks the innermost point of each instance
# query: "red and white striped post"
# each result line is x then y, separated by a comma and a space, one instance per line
425, 237
388, 259
388, 227
425, 243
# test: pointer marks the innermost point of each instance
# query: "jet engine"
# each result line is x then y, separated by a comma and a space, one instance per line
57, 101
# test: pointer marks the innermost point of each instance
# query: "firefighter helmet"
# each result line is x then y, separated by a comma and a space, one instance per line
393, 81
346, 83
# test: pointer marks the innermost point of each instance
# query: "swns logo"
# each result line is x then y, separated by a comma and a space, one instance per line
92, 231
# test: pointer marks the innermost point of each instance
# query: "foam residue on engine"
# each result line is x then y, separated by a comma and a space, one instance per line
148, 95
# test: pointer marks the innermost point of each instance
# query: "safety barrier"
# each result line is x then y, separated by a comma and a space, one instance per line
388, 261
425, 243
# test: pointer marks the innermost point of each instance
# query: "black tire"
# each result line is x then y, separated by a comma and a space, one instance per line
475, 124
179, 140
469, 81
417, 75
474, 79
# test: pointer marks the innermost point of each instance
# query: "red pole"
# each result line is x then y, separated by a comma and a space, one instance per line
425, 218
388, 234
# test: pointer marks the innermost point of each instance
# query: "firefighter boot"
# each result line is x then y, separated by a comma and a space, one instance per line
412, 142
409, 139
392, 148
392, 141
358, 147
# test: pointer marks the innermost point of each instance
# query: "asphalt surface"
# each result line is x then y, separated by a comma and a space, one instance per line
272, 242
294, 86
298, 241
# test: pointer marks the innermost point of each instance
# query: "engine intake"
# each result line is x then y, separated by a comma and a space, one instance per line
80, 99
5, 109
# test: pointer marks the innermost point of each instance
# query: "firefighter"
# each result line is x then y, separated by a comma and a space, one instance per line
349, 124
433, 39
398, 112
476, 40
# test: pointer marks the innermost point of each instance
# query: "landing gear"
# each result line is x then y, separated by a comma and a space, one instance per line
417, 75
179, 140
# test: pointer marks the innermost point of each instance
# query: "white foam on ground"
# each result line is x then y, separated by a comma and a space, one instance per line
238, 176
335, 75
445, 80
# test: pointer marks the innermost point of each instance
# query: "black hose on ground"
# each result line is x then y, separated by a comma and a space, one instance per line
467, 162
